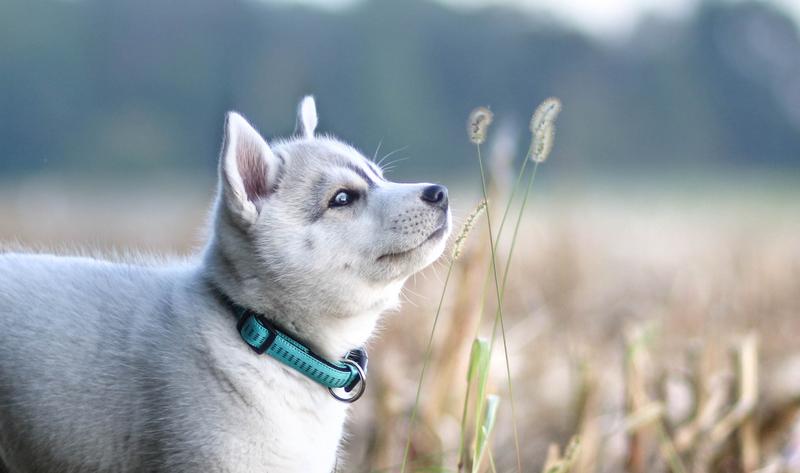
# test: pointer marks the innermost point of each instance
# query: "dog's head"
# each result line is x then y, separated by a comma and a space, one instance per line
312, 217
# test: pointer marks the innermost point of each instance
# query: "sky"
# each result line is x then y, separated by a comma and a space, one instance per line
605, 19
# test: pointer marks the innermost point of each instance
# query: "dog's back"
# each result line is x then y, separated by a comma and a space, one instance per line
67, 321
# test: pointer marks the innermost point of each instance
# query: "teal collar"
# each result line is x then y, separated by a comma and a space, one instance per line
348, 374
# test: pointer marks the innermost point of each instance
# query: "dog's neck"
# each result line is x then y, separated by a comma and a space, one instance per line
329, 324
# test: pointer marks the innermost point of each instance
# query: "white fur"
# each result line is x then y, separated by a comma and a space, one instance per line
132, 367
307, 116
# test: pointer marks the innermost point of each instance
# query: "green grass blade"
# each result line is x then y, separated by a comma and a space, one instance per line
484, 430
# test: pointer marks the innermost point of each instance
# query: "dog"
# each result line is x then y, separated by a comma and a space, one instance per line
123, 367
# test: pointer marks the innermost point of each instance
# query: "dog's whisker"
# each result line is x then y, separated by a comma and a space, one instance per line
414, 293
392, 164
377, 149
407, 299
380, 162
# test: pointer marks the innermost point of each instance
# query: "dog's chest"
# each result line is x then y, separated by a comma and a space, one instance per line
278, 419
292, 431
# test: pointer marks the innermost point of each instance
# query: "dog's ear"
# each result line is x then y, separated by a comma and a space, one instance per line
247, 170
306, 117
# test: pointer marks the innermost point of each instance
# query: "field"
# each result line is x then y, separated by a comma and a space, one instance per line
628, 324
661, 327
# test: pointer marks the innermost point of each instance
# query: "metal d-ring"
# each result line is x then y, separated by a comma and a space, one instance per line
362, 385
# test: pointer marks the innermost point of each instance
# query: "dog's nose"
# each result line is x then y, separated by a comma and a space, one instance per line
435, 195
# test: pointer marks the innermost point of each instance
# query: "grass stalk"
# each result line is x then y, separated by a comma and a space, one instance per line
499, 303
463, 436
499, 316
478, 366
425, 366
499, 235
485, 432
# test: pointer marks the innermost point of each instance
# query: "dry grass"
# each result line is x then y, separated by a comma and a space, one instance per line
666, 339
663, 333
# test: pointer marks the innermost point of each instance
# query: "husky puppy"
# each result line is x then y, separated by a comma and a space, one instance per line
128, 367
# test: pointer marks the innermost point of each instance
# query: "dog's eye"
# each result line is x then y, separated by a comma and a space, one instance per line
343, 198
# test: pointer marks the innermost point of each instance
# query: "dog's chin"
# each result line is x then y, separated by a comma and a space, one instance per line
407, 262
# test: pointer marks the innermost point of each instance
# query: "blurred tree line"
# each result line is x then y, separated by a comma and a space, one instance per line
125, 86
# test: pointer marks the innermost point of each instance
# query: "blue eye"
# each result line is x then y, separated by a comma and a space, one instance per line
343, 198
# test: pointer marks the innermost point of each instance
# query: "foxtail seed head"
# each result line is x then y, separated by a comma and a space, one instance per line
458, 246
543, 129
479, 121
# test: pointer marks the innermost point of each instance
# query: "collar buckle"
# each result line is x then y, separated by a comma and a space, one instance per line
359, 386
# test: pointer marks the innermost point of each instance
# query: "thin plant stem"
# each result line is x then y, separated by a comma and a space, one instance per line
425, 366
491, 460
511, 198
499, 305
668, 449
485, 291
514, 243
499, 316
496, 242
463, 438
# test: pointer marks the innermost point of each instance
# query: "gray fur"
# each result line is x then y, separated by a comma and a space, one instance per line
122, 367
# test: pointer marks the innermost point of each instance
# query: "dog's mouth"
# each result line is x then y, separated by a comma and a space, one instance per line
437, 234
